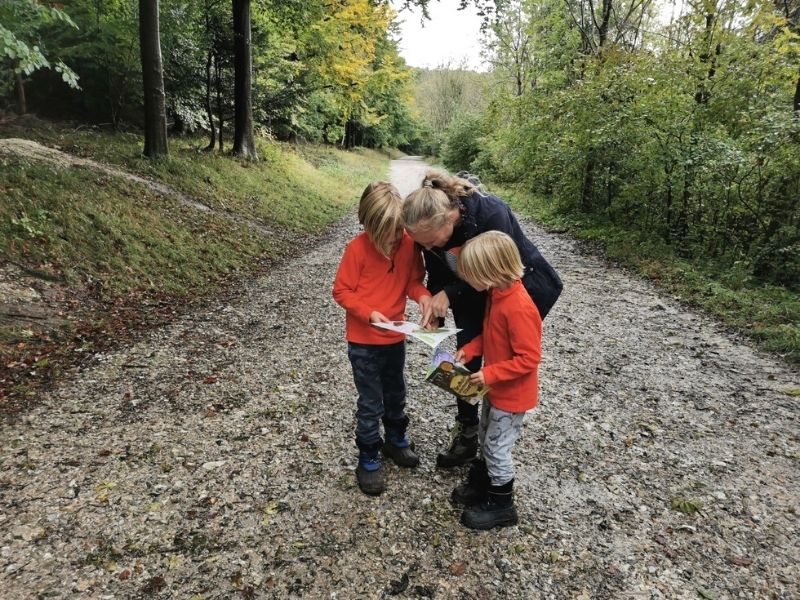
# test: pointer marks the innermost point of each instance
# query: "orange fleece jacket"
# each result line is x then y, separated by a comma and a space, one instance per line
367, 281
511, 344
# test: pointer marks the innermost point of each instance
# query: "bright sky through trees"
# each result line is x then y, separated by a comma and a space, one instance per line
451, 35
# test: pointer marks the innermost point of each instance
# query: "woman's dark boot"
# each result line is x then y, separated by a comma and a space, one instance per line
497, 511
473, 491
463, 448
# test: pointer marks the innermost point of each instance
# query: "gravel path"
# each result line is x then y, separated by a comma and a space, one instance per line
214, 459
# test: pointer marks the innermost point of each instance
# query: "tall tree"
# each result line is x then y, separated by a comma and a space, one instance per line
511, 49
155, 116
612, 24
217, 39
244, 143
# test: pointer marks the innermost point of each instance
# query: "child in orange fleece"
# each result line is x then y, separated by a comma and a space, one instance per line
380, 268
511, 344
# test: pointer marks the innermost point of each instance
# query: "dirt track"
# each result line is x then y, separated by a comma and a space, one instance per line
214, 459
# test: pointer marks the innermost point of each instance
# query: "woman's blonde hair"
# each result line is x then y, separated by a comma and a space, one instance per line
433, 201
491, 259
379, 213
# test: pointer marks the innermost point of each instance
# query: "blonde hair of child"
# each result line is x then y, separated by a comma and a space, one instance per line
490, 259
431, 203
379, 213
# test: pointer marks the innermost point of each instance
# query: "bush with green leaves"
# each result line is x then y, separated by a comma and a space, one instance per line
462, 142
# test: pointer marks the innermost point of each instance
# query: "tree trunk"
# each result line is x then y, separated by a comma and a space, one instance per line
209, 112
703, 95
22, 104
587, 191
605, 17
220, 107
244, 143
797, 97
668, 170
155, 116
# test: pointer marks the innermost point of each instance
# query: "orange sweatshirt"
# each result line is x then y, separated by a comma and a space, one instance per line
367, 281
511, 344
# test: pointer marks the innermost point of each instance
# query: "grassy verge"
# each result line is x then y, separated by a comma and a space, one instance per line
768, 314
122, 256
301, 188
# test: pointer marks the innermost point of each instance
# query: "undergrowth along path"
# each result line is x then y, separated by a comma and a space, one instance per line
215, 458
31, 149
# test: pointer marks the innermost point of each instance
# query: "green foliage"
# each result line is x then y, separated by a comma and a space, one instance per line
322, 71
685, 505
462, 143
685, 136
22, 23
29, 227
768, 313
444, 94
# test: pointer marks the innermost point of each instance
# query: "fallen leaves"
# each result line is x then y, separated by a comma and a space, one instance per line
553, 556
740, 561
103, 490
707, 594
685, 505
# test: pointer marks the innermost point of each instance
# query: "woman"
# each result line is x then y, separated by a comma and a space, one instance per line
441, 216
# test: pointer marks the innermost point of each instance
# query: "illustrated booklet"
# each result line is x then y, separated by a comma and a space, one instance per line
449, 375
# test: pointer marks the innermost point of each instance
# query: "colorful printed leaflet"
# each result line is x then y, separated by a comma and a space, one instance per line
449, 375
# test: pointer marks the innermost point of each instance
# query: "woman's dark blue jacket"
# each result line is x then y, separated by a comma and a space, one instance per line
480, 213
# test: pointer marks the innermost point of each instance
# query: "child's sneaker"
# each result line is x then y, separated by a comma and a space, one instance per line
402, 455
370, 476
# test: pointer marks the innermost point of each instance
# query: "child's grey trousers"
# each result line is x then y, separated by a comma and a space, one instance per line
498, 432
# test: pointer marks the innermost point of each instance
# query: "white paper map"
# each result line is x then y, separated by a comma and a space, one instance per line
432, 337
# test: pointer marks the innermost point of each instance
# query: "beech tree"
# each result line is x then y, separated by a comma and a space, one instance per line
155, 116
244, 143
510, 50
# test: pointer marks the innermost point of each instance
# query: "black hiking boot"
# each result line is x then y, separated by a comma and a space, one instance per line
402, 457
472, 491
370, 476
463, 448
497, 511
